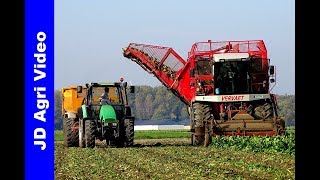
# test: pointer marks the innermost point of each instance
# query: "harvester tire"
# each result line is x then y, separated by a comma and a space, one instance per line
90, 133
129, 125
264, 111
207, 137
281, 127
70, 136
82, 143
198, 140
202, 114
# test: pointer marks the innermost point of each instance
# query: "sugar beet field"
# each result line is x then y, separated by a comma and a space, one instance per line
168, 155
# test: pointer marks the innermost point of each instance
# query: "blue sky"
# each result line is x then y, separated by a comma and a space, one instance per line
89, 35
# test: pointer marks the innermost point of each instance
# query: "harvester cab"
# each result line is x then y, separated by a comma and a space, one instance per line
226, 86
111, 121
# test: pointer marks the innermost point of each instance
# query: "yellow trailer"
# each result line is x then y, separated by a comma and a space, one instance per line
71, 101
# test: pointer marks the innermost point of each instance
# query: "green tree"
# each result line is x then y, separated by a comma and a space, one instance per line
58, 121
161, 113
149, 106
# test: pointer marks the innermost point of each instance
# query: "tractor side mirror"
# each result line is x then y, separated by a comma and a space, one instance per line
271, 70
272, 80
191, 72
79, 89
131, 89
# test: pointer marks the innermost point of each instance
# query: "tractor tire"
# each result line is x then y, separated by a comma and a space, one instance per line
81, 131
70, 136
90, 133
129, 127
202, 114
120, 141
264, 111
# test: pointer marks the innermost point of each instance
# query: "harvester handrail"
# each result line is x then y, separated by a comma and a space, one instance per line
148, 45
196, 48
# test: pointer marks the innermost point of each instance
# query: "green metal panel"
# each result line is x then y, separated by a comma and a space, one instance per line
107, 114
84, 111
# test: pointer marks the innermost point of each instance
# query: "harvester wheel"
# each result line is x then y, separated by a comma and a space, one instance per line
207, 135
281, 127
90, 133
264, 111
207, 140
70, 135
81, 134
198, 139
202, 114
129, 124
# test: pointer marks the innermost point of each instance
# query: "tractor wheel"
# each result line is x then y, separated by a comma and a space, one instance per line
264, 111
90, 133
121, 140
70, 136
129, 126
81, 134
202, 114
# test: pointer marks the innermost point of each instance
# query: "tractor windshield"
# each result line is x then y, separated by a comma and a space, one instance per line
113, 94
232, 77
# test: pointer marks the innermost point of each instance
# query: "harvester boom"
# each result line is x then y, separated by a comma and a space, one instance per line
163, 62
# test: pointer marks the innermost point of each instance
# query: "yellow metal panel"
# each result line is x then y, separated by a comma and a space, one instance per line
70, 100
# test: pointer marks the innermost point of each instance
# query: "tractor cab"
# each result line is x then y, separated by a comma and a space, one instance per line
105, 120
116, 94
96, 90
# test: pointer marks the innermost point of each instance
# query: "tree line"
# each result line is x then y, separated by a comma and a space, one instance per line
157, 103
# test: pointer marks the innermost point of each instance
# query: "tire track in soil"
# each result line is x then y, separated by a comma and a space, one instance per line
136, 172
150, 142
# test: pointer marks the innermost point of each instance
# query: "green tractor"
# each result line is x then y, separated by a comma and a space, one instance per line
108, 119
